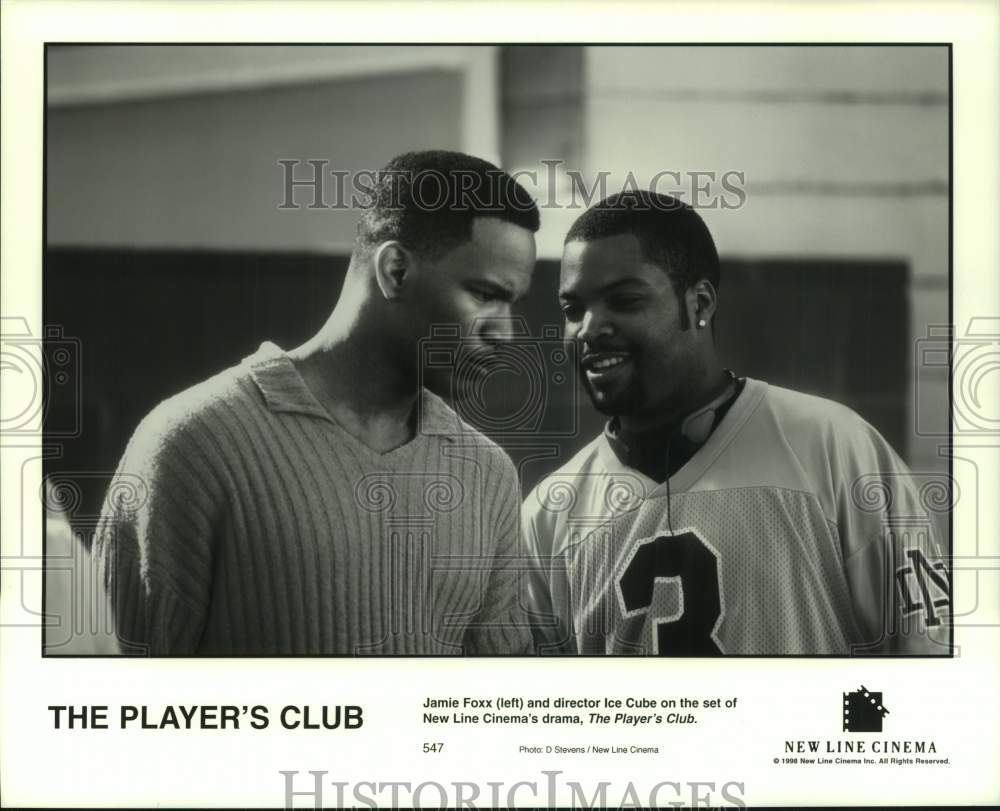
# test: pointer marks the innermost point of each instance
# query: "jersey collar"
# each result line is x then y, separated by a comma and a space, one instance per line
686, 477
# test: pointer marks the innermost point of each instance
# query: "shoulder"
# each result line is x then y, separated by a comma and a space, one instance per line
797, 409
195, 419
178, 454
828, 438
806, 419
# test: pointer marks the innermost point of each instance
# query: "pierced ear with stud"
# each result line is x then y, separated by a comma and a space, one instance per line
701, 301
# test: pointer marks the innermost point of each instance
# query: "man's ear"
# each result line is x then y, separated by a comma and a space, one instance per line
393, 267
702, 301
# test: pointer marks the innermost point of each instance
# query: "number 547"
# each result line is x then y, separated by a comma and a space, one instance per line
433, 747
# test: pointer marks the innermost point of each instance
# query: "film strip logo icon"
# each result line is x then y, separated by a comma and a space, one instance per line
863, 711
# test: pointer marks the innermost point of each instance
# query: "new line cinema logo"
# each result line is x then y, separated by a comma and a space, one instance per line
863, 711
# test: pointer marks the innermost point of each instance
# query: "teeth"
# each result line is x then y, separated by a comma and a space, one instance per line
607, 363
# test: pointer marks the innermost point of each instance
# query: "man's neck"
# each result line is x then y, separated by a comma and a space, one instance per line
660, 450
354, 376
668, 418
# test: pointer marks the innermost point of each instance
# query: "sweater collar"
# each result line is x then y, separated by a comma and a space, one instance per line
285, 391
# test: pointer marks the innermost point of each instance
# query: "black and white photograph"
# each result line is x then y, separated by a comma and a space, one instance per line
524, 408
499, 350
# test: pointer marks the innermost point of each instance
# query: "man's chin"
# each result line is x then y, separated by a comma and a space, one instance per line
612, 403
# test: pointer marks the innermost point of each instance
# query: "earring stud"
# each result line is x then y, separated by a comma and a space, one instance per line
701, 322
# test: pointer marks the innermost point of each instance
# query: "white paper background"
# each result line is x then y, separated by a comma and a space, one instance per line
952, 702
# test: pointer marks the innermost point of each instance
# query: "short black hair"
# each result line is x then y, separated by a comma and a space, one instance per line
671, 234
428, 201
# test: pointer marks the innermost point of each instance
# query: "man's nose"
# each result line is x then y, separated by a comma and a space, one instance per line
594, 325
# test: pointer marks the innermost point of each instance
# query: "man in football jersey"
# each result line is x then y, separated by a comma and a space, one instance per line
321, 500
715, 514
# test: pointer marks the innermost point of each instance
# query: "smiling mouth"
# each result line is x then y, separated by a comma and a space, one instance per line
601, 364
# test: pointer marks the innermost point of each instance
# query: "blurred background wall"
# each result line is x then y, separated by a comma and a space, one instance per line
169, 258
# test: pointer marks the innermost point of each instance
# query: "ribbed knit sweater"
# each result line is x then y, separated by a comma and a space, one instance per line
245, 520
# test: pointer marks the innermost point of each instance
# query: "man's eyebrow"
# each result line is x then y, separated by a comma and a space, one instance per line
501, 291
630, 281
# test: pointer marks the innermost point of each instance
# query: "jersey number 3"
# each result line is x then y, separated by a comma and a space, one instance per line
686, 559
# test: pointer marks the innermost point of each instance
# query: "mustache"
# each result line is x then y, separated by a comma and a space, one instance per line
587, 350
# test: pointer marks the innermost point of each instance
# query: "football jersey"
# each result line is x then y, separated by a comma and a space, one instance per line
794, 529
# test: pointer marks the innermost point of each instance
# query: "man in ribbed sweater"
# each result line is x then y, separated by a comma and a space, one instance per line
322, 500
